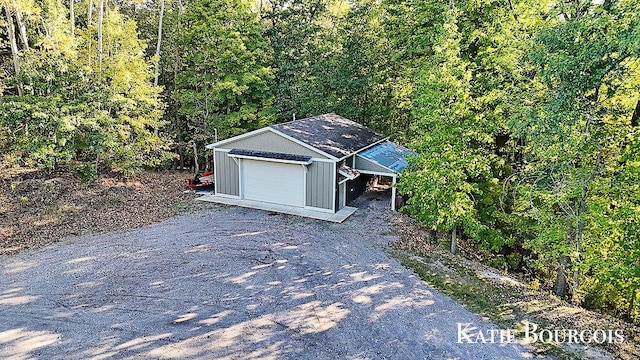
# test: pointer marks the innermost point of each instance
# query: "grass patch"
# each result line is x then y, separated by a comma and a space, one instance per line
469, 291
480, 296
504, 299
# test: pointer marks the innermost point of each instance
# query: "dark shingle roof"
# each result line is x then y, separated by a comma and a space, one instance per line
270, 155
331, 134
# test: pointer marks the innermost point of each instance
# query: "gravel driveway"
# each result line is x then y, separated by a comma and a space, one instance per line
231, 283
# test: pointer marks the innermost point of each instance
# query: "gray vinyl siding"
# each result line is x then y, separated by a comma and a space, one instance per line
366, 165
227, 174
320, 186
272, 142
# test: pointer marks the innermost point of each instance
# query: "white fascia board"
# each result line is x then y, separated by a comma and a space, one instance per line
367, 172
302, 144
364, 148
322, 160
235, 138
377, 163
270, 159
349, 177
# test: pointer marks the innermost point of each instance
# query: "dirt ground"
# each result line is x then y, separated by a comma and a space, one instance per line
232, 283
507, 299
37, 209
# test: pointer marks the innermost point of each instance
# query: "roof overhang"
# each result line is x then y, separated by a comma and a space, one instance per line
270, 156
348, 172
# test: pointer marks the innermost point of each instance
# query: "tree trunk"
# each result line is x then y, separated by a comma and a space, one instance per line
157, 71
196, 166
433, 236
454, 240
580, 227
13, 44
632, 304
181, 155
560, 287
100, 21
23, 29
90, 13
72, 16
636, 115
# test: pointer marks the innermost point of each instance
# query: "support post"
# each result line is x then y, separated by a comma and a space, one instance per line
393, 194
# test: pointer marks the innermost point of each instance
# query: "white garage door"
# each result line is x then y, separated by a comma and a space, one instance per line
273, 182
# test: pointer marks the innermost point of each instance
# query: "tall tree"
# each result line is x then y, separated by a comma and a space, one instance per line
159, 43
72, 16
11, 31
222, 79
583, 60
294, 28
443, 179
79, 113
100, 29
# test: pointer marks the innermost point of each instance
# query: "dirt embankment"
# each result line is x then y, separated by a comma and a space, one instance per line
37, 209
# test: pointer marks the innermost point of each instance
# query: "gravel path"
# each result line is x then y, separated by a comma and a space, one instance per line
231, 283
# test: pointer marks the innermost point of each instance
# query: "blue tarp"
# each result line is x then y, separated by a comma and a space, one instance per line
389, 155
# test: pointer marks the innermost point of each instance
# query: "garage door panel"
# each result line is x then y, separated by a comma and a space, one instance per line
273, 182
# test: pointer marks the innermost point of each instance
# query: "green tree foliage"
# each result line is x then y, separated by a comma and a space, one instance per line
216, 72
295, 30
223, 79
577, 139
439, 181
463, 103
349, 78
76, 108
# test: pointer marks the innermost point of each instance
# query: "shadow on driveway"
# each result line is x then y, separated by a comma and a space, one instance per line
231, 283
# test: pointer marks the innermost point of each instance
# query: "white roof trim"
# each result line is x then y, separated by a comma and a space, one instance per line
270, 159
348, 175
269, 128
238, 137
367, 172
302, 143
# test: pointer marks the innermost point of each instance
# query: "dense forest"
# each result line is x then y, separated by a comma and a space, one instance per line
523, 114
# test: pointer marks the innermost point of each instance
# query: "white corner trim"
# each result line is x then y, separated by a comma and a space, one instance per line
215, 173
334, 187
393, 194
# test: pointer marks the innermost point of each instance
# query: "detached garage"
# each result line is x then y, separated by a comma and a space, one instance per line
312, 164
